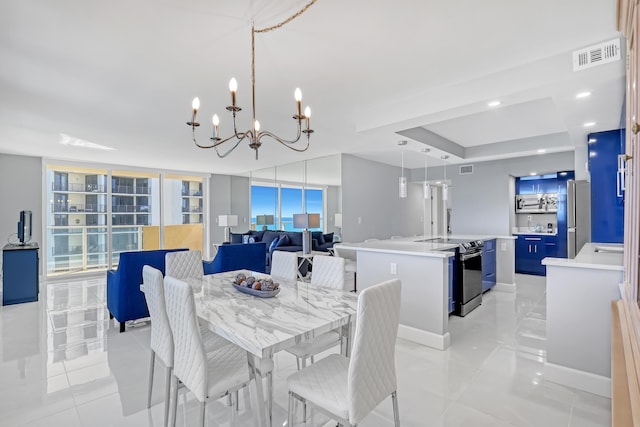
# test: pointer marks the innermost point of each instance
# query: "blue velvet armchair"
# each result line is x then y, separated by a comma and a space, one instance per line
125, 301
238, 256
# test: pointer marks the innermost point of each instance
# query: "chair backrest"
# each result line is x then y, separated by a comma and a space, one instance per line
229, 257
349, 254
190, 360
161, 337
184, 265
328, 272
284, 265
372, 370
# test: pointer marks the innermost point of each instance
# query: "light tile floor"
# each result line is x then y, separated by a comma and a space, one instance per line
64, 363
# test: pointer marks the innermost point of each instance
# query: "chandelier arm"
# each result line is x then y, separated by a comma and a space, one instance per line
285, 142
286, 21
277, 138
222, 156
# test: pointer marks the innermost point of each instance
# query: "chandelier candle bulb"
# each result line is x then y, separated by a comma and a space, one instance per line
195, 104
216, 122
307, 114
233, 87
298, 95
256, 126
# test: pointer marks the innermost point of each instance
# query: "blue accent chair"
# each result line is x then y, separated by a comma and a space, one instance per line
125, 301
238, 256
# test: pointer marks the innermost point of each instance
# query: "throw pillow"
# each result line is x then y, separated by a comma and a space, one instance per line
283, 241
328, 238
317, 235
245, 239
273, 244
295, 238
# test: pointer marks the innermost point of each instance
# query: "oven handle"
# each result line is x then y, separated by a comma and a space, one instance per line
465, 257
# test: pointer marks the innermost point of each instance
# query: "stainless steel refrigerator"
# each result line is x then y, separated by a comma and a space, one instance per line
578, 216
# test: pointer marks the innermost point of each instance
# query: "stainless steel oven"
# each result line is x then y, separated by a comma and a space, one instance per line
467, 285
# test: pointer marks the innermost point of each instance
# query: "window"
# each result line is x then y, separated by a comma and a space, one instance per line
265, 202
82, 236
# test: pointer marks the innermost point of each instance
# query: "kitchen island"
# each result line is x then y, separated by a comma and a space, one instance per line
424, 268
579, 295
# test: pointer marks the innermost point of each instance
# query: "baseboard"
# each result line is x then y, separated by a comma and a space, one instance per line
429, 339
586, 381
505, 287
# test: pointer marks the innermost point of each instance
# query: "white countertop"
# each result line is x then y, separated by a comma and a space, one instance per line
533, 233
599, 256
413, 245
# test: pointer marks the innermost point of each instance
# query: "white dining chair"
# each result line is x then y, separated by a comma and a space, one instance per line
207, 375
284, 266
350, 388
328, 272
184, 264
350, 263
161, 343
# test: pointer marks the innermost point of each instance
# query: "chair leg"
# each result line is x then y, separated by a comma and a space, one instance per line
174, 400
312, 360
396, 414
237, 400
121, 327
298, 362
290, 412
167, 395
270, 396
151, 367
202, 409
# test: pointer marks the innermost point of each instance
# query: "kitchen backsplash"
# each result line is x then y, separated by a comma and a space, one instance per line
536, 220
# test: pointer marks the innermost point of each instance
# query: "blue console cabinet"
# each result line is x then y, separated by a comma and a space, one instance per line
488, 264
607, 199
20, 280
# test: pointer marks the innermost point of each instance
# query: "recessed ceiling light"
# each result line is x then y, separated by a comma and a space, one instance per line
542, 150
589, 124
533, 173
583, 95
494, 103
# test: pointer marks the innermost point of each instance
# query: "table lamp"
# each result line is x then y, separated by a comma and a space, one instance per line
306, 221
227, 221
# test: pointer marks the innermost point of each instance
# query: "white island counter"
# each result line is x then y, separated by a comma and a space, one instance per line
423, 268
579, 295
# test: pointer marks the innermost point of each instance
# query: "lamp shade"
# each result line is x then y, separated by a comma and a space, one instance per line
338, 220
306, 220
264, 220
227, 220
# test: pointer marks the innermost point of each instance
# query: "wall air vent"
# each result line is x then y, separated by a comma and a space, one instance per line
466, 169
598, 54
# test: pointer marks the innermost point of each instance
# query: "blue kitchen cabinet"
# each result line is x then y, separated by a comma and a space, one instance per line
607, 197
531, 249
20, 280
488, 264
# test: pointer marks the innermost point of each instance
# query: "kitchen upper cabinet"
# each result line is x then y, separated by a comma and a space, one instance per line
531, 249
488, 265
607, 186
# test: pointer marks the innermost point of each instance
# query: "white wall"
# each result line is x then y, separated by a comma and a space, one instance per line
241, 202
371, 207
21, 189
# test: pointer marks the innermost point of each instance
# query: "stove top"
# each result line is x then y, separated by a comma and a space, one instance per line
466, 245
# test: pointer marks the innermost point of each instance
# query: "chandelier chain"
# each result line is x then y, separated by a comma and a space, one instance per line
289, 19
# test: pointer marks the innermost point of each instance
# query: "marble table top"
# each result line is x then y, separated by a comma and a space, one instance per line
264, 326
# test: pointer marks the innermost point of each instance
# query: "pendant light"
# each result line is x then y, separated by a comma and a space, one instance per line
445, 187
426, 187
403, 179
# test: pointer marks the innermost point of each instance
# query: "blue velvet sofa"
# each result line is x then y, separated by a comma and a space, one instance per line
125, 301
290, 241
250, 256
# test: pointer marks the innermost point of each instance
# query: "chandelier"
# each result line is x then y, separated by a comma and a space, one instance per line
254, 135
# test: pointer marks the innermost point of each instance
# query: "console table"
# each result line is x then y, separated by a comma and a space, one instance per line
20, 279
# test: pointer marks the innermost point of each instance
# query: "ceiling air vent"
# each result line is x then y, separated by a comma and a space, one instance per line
466, 169
599, 54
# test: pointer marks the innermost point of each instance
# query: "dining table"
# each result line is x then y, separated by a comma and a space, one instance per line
264, 326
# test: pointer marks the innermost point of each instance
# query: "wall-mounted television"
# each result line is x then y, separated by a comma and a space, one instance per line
24, 227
